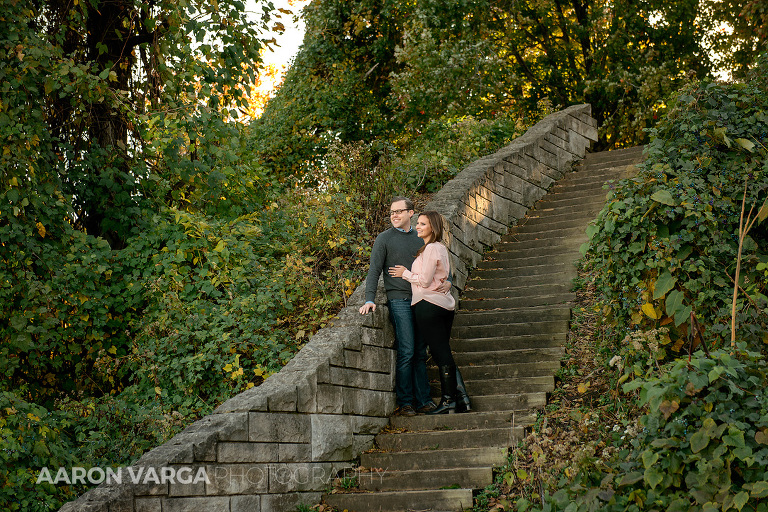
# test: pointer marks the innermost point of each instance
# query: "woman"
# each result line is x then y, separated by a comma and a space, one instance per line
433, 311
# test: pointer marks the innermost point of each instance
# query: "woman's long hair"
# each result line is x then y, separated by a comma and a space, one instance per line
438, 227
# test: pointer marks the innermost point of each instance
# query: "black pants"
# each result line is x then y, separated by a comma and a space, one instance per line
433, 324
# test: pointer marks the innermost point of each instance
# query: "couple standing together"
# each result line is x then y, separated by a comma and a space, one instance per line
421, 308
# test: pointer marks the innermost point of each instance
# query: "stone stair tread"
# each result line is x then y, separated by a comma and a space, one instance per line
490, 387
509, 316
518, 291
508, 356
430, 459
509, 342
400, 501
539, 300
439, 439
464, 421
505, 371
475, 477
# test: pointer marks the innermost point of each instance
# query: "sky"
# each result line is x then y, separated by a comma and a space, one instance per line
289, 41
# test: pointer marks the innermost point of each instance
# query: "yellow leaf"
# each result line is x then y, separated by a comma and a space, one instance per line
158, 390
228, 367
650, 311
33, 417
112, 350
583, 387
14, 182
40, 227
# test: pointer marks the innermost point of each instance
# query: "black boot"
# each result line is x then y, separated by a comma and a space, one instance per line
462, 398
447, 403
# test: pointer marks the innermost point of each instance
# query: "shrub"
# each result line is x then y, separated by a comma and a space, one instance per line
664, 247
702, 445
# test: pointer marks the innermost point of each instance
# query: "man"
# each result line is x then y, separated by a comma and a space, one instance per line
397, 246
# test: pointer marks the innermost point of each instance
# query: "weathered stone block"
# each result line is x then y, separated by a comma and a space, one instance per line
312, 476
368, 424
351, 377
186, 482
370, 358
362, 443
247, 452
229, 479
208, 504
366, 402
246, 504
274, 428
295, 452
329, 399
331, 437
145, 505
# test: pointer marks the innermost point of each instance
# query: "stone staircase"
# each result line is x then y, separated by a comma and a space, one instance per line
508, 339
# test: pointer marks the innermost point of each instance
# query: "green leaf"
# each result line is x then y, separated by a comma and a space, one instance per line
649, 458
664, 197
740, 500
757, 489
699, 441
664, 283
746, 144
653, 476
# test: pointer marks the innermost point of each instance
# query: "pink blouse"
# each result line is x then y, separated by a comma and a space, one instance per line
428, 271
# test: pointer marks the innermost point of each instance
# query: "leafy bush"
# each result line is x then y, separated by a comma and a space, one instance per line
702, 445
665, 245
445, 146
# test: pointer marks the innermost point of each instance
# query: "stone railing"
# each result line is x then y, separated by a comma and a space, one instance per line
282, 443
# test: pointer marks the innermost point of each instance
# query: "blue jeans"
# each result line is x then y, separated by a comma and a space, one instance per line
411, 384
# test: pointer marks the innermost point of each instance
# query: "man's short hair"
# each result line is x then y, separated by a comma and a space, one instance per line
408, 202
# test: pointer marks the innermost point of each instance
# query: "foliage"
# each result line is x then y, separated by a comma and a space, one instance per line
445, 146
666, 242
385, 70
702, 444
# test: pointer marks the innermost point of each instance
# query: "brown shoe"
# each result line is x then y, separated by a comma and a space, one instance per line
426, 408
406, 410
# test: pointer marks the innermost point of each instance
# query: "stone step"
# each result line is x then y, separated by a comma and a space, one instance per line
509, 316
496, 343
530, 271
601, 170
495, 261
470, 420
506, 251
527, 233
466, 478
481, 283
565, 213
398, 501
547, 222
504, 371
578, 202
582, 181
431, 459
511, 402
515, 328
481, 357
445, 439
577, 194
488, 387
517, 302
635, 152
518, 291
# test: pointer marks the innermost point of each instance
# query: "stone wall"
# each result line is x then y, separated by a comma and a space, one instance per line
282, 443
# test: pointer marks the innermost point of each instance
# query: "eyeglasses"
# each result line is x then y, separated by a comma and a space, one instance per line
398, 212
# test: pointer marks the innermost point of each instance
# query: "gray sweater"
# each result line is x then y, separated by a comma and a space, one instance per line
392, 247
